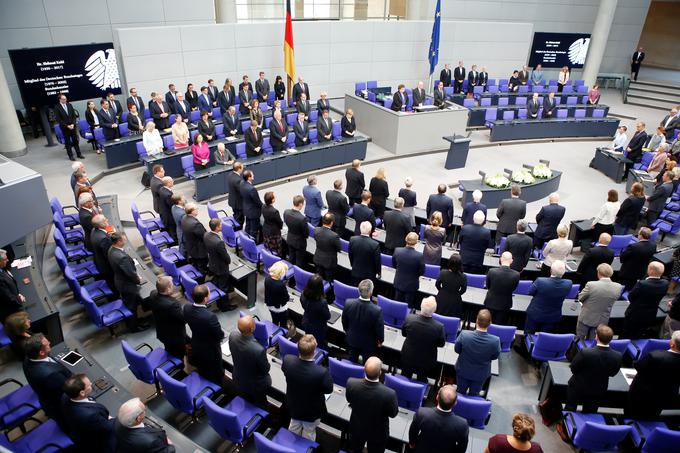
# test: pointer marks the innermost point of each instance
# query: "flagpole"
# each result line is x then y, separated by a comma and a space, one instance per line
289, 88
431, 88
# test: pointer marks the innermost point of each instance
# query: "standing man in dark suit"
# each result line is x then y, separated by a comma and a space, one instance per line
225, 99
253, 137
548, 219
212, 92
410, 265
156, 183
251, 367
86, 212
307, 385
165, 205
362, 320
234, 181
549, 105
171, 97
501, 282
423, 336
126, 279
11, 299
298, 89
363, 213
657, 378
644, 301
635, 258
355, 182
593, 257
657, 200
45, 375
364, 255
470, 208
101, 243
68, 122
182, 107
635, 145
206, 336
303, 106
262, 88
134, 436
108, 121
397, 226
473, 79
670, 122
635, 63
445, 75
204, 101
324, 127
298, 232
245, 84
373, 404
400, 98
338, 206
194, 231
444, 204
115, 106
170, 322
545, 309
533, 106
418, 95
218, 262
160, 112
591, 369
438, 428
245, 96
439, 96
301, 130
483, 78
327, 248
458, 76
89, 423
252, 205
135, 100
474, 239
476, 349
278, 133
520, 246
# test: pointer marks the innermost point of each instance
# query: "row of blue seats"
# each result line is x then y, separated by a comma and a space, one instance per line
521, 101
509, 115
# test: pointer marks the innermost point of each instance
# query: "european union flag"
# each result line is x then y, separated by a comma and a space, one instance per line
433, 54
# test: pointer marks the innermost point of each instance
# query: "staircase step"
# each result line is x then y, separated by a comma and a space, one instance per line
654, 83
654, 96
659, 91
653, 104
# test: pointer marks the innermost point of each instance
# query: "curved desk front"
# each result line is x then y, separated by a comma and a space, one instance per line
493, 196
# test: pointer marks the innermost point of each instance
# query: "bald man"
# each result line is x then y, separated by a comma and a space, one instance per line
251, 367
547, 220
373, 404
134, 436
438, 428
644, 301
595, 256
501, 283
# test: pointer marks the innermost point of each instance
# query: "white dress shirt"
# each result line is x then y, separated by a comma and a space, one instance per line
607, 214
153, 143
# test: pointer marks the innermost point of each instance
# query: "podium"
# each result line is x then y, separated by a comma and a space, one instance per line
458, 151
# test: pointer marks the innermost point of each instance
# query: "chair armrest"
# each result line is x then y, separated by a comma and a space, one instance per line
162, 364
254, 420
14, 409
531, 343
144, 345
111, 311
573, 423
199, 394
223, 212
278, 331
11, 380
147, 212
68, 206
637, 348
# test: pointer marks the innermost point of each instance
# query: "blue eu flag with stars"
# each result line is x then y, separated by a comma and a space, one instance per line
433, 54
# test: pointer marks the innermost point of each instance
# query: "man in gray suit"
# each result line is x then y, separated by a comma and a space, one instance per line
509, 212
251, 367
597, 299
418, 95
657, 200
397, 226
262, 88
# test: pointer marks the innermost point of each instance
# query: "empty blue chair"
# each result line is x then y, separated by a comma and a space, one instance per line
313, 134
245, 125
235, 422
505, 333
344, 245
168, 142
19, 404
284, 442
619, 242
141, 151
522, 114
343, 292
313, 116
160, 239
503, 101
591, 432
431, 271
387, 103
144, 366
451, 326
371, 84
474, 409
337, 130
410, 394
287, 347
188, 394
217, 113
97, 289
521, 100
548, 346
71, 219
214, 213
661, 440
485, 102
359, 87
571, 100
229, 235
523, 89
523, 287
188, 166
562, 113
81, 271
195, 116
643, 429
478, 90
152, 223
106, 315
490, 116
386, 260
71, 236
598, 113
467, 102
493, 89
73, 252
448, 91
169, 265
371, 96
189, 284
508, 115
291, 118
46, 437
241, 150
475, 281
573, 292
639, 348
394, 312
250, 250
302, 277
342, 370
580, 113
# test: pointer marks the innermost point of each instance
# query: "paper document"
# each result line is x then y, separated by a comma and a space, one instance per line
225, 349
629, 374
21, 263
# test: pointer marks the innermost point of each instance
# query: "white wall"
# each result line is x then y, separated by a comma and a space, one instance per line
331, 55
45, 23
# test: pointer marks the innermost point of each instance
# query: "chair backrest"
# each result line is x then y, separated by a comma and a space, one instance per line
503, 101
170, 267
600, 437
448, 91
343, 292
521, 100
619, 345
568, 89
188, 164
537, 89
523, 89
478, 90
188, 284
394, 312
551, 346
141, 151
598, 113
661, 440
562, 113
337, 130
410, 394
646, 158
287, 347
476, 281
473, 409
301, 278
249, 248
342, 370
491, 114
224, 421
485, 102
344, 245
432, 270
523, 287
386, 260
504, 333
359, 87
58, 222
245, 125
388, 103
468, 102
168, 142
61, 258
451, 326
241, 150
652, 345
493, 89
573, 292
522, 114
123, 129
138, 363
580, 113
92, 310
217, 113
619, 242
153, 249
59, 239
228, 234
268, 259
264, 445
571, 100
508, 115
212, 212
176, 392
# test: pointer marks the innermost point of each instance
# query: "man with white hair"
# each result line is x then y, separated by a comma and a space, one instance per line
100, 239
501, 282
644, 301
472, 207
548, 219
397, 225
656, 381
473, 241
419, 94
597, 299
545, 310
223, 156
423, 336
362, 320
86, 212
134, 436
409, 264
364, 255
410, 200
77, 167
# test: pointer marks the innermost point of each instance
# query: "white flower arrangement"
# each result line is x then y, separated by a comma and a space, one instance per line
498, 181
542, 171
523, 176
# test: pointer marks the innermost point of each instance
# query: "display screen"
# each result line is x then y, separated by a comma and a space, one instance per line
555, 50
72, 358
81, 72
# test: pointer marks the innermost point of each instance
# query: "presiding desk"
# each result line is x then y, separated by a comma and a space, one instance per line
553, 128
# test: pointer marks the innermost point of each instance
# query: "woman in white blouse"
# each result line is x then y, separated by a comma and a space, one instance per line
562, 78
557, 249
153, 143
180, 133
604, 220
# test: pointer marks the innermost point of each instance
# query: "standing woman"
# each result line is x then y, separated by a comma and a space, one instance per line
279, 88
17, 328
556, 250
271, 229
629, 213
201, 153
379, 193
434, 238
134, 120
537, 75
316, 310
191, 97
256, 114
594, 95
562, 78
604, 220
451, 284
92, 119
276, 293
348, 125
206, 127
180, 133
410, 200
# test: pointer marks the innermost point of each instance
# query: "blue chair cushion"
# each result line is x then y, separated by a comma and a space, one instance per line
244, 412
159, 357
195, 383
114, 312
23, 398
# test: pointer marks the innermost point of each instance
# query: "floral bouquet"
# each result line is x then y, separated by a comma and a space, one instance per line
523, 176
498, 181
542, 171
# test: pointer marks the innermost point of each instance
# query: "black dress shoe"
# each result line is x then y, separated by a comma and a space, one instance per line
80, 156
72, 158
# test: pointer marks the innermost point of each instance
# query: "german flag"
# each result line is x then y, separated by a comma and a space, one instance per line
288, 48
